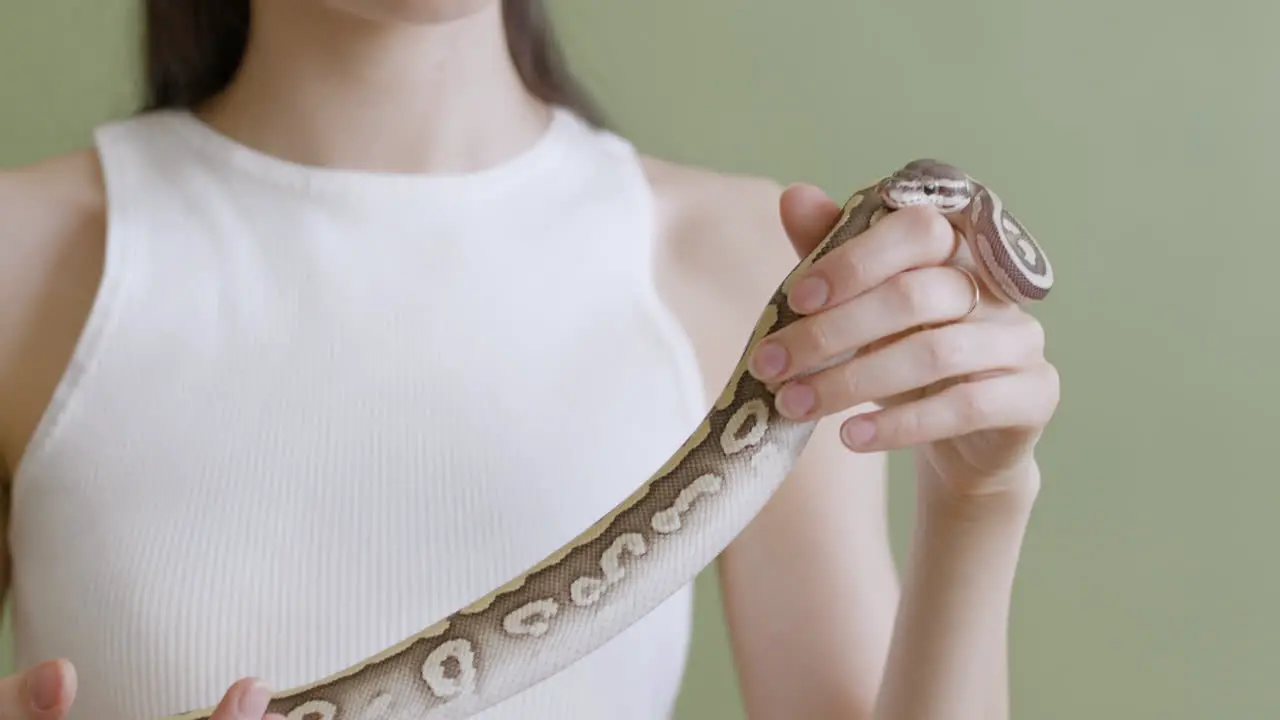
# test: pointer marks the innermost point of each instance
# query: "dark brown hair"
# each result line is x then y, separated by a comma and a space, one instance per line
193, 48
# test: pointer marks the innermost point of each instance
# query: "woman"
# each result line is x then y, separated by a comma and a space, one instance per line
364, 316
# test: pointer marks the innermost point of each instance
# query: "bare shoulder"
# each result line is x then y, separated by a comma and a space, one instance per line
726, 221
723, 253
55, 185
46, 205
51, 249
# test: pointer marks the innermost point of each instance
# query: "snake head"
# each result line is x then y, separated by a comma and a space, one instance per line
928, 182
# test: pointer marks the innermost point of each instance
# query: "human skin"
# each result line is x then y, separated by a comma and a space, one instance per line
970, 395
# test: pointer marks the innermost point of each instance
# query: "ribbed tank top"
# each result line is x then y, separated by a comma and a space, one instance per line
313, 411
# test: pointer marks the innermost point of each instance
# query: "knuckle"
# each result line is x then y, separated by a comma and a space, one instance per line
926, 223
815, 337
906, 425
849, 382
857, 270
1053, 392
947, 349
1033, 336
1023, 345
1038, 339
913, 294
1052, 376
976, 404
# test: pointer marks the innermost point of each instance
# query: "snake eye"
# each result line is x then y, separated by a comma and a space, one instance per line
930, 188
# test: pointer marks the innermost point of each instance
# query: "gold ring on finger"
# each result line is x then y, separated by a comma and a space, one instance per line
977, 291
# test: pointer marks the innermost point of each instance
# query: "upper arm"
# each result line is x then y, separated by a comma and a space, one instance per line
51, 242
810, 587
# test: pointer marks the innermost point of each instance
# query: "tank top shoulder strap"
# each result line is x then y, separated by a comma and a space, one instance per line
135, 156
630, 186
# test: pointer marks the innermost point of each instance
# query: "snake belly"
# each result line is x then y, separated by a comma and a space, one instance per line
663, 535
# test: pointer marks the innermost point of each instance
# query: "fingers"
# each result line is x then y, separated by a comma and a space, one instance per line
927, 296
807, 216
993, 301
43, 692
909, 238
1025, 399
46, 692
916, 361
245, 700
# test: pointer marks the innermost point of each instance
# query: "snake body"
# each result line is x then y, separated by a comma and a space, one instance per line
666, 532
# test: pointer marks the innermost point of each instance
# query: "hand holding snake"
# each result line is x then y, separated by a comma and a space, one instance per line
958, 368
887, 306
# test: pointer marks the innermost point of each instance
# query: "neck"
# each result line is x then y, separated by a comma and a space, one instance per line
321, 87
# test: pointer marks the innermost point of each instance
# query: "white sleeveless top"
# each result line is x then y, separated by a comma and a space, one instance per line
313, 411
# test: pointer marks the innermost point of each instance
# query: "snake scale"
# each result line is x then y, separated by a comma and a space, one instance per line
665, 533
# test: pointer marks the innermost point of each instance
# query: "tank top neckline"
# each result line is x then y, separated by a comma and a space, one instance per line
297, 428
228, 154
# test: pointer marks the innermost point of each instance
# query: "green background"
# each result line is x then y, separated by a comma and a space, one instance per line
1137, 140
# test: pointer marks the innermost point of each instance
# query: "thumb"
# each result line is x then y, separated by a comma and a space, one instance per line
808, 215
43, 692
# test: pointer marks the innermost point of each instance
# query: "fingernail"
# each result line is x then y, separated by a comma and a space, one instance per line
769, 360
809, 294
857, 432
44, 686
253, 701
795, 401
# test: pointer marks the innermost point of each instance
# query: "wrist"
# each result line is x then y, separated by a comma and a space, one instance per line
1010, 497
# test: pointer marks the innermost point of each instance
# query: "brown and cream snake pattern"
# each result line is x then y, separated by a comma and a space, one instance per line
658, 539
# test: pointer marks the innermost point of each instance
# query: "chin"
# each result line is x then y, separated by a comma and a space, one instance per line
412, 12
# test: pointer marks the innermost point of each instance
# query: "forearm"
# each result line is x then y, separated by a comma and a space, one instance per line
947, 660
6, 560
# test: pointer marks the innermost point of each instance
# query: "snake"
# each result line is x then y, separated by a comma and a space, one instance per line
669, 529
